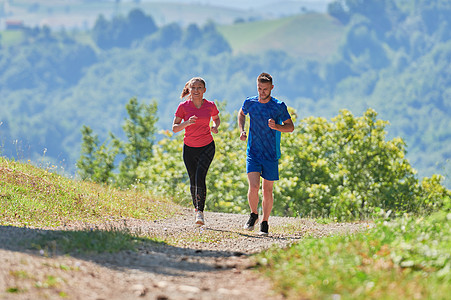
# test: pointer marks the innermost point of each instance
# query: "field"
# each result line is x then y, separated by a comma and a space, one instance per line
308, 35
83, 14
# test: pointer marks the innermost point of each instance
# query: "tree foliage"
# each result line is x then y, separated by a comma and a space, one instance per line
346, 169
343, 169
139, 130
394, 57
122, 32
97, 162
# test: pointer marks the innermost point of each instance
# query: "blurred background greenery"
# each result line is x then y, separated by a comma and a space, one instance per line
68, 64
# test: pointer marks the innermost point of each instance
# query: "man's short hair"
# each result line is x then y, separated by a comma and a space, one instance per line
264, 77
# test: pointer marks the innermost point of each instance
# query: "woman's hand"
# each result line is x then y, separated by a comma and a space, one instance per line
191, 120
177, 125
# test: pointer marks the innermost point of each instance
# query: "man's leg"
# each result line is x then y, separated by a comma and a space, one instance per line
252, 194
268, 198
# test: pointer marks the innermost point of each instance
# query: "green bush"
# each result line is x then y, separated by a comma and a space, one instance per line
343, 169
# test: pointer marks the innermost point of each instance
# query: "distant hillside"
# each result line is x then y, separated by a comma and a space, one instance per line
394, 59
308, 35
83, 14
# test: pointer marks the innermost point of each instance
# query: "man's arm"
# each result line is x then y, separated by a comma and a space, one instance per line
287, 125
241, 123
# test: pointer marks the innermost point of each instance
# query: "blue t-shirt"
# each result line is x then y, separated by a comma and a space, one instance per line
264, 142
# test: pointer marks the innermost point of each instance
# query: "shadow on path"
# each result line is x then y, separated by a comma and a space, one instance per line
136, 253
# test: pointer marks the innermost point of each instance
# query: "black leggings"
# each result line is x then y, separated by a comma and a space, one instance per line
197, 161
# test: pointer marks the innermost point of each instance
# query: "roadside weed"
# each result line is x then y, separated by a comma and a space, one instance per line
407, 258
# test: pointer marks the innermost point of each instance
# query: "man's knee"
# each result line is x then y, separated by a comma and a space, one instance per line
254, 187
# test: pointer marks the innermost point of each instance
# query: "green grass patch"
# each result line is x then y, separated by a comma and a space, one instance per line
11, 37
35, 197
13, 290
408, 258
315, 36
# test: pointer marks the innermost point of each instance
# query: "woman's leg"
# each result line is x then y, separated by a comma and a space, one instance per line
205, 158
190, 160
197, 162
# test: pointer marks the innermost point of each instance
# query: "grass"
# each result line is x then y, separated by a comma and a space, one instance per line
11, 37
407, 258
35, 197
316, 36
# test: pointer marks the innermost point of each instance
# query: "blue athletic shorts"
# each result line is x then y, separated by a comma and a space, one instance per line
268, 169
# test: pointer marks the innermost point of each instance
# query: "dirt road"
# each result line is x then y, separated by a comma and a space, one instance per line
211, 262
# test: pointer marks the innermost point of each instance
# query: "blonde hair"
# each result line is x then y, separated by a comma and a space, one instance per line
185, 90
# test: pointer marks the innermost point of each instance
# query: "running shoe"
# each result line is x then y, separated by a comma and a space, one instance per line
264, 227
253, 218
200, 218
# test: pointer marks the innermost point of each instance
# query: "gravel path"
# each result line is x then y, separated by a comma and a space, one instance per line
210, 262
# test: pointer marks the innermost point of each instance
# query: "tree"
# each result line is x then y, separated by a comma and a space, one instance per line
213, 42
122, 32
139, 130
101, 33
96, 162
192, 36
337, 10
140, 25
343, 169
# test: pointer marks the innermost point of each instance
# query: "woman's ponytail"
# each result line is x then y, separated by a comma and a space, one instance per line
185, 90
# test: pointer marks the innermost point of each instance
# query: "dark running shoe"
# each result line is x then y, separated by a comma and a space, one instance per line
264, 227
251, 222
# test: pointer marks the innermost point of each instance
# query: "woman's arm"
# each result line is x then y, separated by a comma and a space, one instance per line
178, 125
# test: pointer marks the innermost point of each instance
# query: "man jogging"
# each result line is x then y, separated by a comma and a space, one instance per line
268, 118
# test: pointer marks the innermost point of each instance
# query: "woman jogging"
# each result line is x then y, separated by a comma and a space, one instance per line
199, 146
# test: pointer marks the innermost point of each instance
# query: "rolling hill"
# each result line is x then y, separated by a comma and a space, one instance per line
79, 14
312, 35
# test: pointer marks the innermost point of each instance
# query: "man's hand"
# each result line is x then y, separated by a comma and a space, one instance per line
272, 124
243, 136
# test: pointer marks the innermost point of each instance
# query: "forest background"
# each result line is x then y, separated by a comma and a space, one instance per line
392, 56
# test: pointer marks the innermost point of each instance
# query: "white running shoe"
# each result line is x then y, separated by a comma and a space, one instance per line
200, 218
